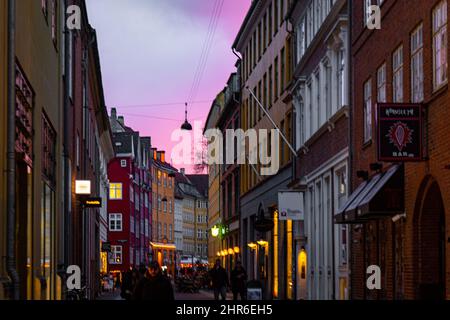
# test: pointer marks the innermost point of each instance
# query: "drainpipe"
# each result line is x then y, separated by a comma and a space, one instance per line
11, 160
67, 181
350, 125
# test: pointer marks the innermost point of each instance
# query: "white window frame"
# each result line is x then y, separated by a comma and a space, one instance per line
397, 75
440, 71
368, 111
115, 252
381, 84
123, 163
417, 77
115, 217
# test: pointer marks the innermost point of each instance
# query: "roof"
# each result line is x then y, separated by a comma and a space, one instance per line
123, 142
200, 181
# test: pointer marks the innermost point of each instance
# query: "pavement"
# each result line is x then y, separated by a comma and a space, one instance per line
110, 296
202, 295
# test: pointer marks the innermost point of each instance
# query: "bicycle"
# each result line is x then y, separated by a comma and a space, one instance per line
77, 294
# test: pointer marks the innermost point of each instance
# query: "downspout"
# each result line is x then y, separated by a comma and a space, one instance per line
11, 160
350, 126
67, 182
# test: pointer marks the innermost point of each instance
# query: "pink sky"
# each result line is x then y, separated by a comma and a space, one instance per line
149, 51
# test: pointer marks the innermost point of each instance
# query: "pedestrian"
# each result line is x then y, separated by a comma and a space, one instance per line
219, 280
143, 279
127, 286
238, 281
158, 287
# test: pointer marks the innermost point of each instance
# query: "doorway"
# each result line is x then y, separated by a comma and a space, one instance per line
431, 245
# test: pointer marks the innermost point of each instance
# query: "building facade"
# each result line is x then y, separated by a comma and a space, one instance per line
130, 202
321, 101
3, 114
229, 119
265, 71
178, 226
214, 199
163, 217
399, 210
195, 218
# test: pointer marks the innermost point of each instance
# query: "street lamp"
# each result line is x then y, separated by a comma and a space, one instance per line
186, 125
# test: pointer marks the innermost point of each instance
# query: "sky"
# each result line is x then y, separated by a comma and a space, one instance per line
149, 52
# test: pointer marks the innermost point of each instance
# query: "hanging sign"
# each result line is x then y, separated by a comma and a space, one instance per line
400, 132
290, 204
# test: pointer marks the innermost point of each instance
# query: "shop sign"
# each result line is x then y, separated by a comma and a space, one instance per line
400, 132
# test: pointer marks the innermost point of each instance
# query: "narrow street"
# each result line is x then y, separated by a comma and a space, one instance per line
202, 295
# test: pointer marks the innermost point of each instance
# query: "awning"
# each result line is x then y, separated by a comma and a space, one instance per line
379, 197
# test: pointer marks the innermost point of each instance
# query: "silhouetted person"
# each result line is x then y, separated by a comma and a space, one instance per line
127, 286
219, 280
238, 281
158, 287
143, 280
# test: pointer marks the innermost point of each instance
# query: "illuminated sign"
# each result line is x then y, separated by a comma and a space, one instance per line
215, 231
83, 187
92, 202
400, 132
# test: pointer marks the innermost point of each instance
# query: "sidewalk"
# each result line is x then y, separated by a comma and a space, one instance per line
110, 296
210, 294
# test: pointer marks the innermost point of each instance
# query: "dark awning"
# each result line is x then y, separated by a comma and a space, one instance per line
381, 196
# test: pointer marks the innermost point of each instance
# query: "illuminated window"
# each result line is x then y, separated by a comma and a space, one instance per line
115, 191
116, 255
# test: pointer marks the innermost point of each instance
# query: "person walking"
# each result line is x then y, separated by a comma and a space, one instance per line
127, 286
219, 280
143, 280
158, 287
238, 281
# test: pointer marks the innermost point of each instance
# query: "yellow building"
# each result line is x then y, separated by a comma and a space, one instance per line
194, 190
3, 108
163, 212
38, 166
214, 216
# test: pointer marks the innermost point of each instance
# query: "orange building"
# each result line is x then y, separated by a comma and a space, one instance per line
163, 205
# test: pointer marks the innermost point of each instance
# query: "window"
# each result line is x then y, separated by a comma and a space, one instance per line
367, 11
367, 111
115, 222
417, 65
276, 79
397, 80
170, 232
123, 163
440, 44
381, 84
131, 194
115, 191
342, 187
199, 234
301, 39
170, 206
341, 78
47, 216
54, 21
116, 255
165, 230
270, 86
283, 68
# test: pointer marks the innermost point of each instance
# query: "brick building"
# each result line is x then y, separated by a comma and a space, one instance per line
405, 234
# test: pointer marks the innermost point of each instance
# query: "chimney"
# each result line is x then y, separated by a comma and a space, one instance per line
114, 113
163, 156
183, 171
159, 155
154, 154
121, 120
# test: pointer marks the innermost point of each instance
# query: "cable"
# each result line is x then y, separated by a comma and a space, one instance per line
217, 11
162, 104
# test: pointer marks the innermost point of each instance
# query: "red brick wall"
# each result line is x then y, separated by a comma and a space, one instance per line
400, 18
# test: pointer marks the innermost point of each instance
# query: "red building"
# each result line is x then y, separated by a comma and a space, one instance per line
129, 204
